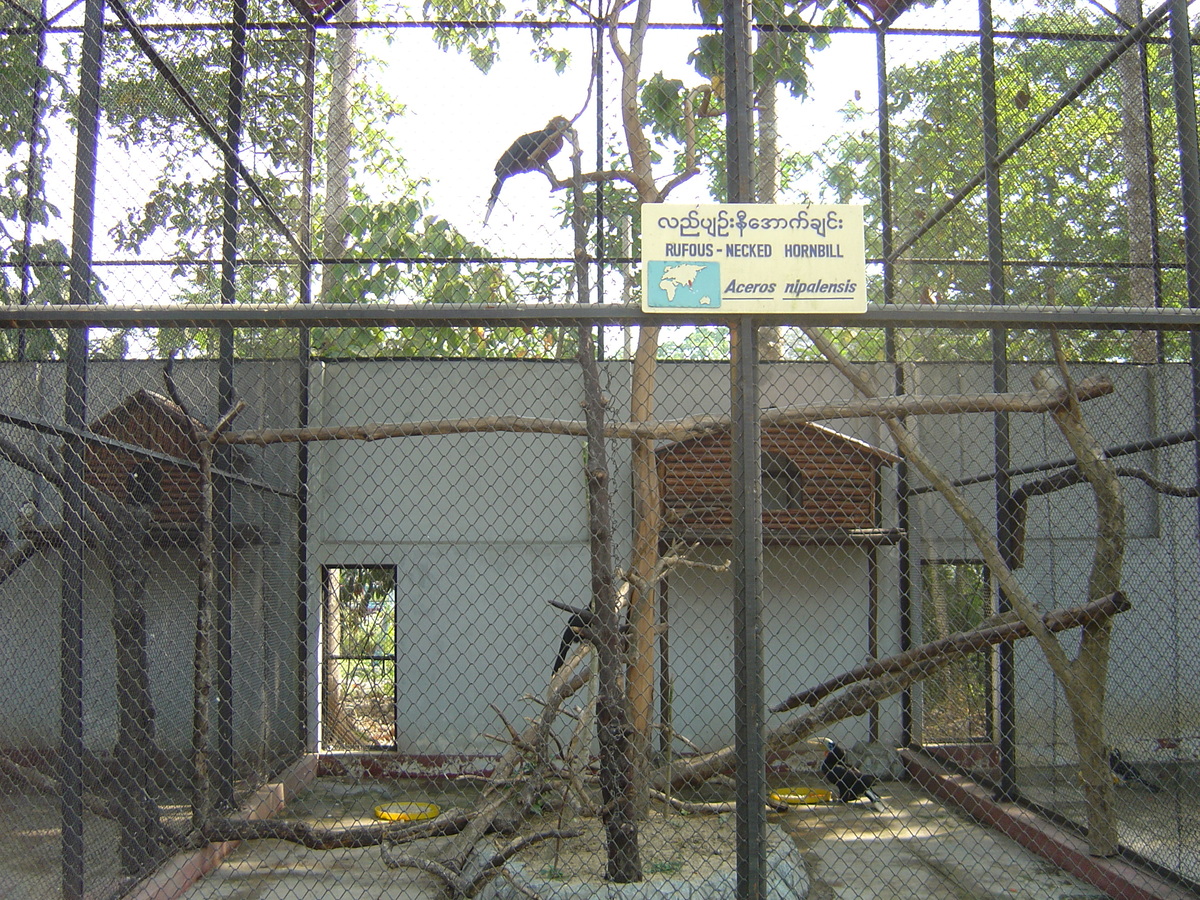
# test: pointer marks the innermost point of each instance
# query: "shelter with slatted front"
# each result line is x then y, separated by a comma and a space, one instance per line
150, 420
818, 486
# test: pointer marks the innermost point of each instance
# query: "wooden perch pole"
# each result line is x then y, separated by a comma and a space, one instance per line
867, 685
993, 631
617, 776
692, 426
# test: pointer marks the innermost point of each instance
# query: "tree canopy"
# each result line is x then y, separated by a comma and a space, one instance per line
1065, 195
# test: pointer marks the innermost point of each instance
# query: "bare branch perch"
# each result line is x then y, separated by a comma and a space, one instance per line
450, 822
867, 685
995, 630
1039, 401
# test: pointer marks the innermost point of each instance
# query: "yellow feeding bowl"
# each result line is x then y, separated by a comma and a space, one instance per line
406, 811
801, 796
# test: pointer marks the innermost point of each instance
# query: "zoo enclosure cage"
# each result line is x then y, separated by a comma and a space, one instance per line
978, 196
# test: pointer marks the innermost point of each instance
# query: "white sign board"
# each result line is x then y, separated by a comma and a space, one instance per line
753, 258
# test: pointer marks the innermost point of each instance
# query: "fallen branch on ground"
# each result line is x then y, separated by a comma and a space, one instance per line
460, 883
450, 822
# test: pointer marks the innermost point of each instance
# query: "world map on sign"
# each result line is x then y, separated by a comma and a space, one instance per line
683, 285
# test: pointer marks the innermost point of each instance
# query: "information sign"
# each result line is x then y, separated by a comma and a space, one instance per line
753, 258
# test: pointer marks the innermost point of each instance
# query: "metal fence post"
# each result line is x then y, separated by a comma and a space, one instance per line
223, 769
1006, 788
75, 418
1183, 78
747, 498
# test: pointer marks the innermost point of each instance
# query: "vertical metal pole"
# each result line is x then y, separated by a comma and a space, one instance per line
1006, 788
885, 179
600, 37
223, 767
1184, 88
891, 351
747, 485
739, 103
75, 418
71, 647
747, 592
307, 693
1152, 185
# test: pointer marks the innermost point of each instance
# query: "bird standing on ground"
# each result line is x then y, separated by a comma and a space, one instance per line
849, 782
528, 153
1127, 773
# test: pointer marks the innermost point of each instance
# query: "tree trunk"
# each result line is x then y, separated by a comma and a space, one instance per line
1139, 193
202, 662
1089, 670
617, 781
647, 524
137, 813
339, 139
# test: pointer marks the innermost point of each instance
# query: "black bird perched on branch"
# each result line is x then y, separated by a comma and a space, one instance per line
581, 626
1127, 773
572, 633
528, 153
849, 781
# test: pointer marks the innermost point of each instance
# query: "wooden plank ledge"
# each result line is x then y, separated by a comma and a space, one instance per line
1069, 851
174, 877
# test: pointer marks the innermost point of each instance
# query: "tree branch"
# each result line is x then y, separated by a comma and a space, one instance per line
995, 630
1040, 401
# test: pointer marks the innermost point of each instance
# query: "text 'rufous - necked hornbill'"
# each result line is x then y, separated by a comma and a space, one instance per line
528, 153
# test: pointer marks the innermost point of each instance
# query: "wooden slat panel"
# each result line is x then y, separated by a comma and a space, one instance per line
837, 479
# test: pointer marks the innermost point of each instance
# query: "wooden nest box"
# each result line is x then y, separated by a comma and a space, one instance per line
146, 419
819, 486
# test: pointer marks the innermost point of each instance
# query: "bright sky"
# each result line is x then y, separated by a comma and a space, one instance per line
459, 120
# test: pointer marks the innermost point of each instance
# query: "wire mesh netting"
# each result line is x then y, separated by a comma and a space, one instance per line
352, 510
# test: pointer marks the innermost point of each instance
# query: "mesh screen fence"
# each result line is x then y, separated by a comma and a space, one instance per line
359, 591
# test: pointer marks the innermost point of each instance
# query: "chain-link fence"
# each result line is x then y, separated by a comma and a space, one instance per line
316, 535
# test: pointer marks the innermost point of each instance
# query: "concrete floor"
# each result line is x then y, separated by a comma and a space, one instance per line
913, 847
916, 847
1141, 813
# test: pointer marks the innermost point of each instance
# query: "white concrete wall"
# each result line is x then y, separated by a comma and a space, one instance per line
485, 528
266, 695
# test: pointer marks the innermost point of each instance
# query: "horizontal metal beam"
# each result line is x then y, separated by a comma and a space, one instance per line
1098, 318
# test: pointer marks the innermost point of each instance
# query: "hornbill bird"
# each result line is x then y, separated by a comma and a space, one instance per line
581, 626
1127, 773
143, 484
528, 153
571, 634
849, 782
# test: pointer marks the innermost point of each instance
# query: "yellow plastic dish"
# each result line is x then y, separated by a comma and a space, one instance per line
406, 811
801, 796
